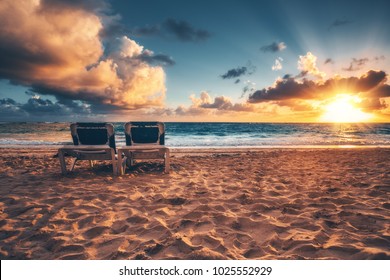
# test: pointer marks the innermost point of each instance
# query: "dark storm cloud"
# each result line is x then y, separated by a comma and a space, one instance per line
273, 47
371, 86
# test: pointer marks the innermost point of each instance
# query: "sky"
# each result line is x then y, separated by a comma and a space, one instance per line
236, 61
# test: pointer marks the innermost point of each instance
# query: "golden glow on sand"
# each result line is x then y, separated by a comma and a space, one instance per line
343, 110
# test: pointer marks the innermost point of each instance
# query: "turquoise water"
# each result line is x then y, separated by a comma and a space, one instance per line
216, 134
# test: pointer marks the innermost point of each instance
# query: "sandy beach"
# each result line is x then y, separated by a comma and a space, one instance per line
228, 204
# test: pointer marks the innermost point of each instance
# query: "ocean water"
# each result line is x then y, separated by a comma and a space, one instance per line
217, 134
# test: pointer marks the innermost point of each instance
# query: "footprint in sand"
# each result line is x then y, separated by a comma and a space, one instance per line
119, 227
108, 249
254, 253
54, 244
154, 249
204, 226
177, 200
207, 254
71, 249
378, 242
95, 232
386, 205
137, 220
85, 222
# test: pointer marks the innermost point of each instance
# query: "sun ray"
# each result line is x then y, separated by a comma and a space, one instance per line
344, 110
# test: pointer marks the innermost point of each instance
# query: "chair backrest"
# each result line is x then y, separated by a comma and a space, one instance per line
145, 133
93, 134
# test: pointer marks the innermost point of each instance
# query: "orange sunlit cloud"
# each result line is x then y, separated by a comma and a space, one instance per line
57, 49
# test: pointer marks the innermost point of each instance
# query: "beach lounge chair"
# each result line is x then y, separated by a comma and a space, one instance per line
91, 141
144, 140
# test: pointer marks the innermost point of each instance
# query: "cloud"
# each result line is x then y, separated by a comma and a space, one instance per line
274, 47
248, 88
157, 59
148, 30
55, 48
307, 65
379, 58
10, 110
37, 108
178, 29
371, 87
329, 61
184, 31
205, 104
357, 64
234, 73
294, 95
278, 64
87, 5
284, 89
338, 23
239, 72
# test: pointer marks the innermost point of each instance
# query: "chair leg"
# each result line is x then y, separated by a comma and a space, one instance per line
114, 163
124, 165
120, 168
167, 162
130, 160
73, 164
91, 163
61, 158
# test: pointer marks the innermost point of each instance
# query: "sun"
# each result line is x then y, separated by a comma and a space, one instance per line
343, 110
